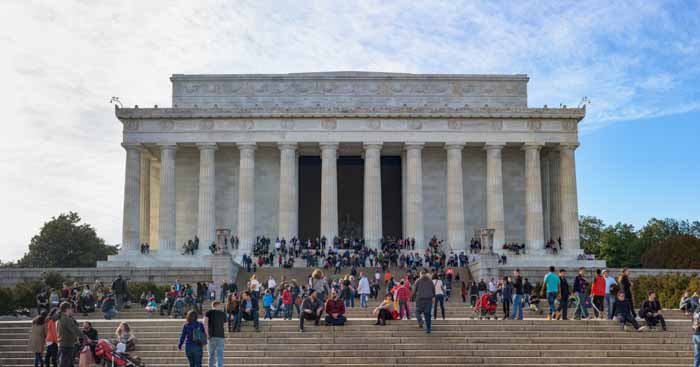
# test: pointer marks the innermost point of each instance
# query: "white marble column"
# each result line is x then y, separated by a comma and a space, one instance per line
554, 197
534, 225
246, 198
455, 198
372, 217
131, 231
288, 191
206, 220
145, 197
414, 193
166, 222
569, 199
546, 195
494, 193
329, 190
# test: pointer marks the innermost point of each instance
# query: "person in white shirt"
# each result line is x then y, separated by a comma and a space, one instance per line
377, 276
254, 286
271, 284
363, 290
492, 286
439, 296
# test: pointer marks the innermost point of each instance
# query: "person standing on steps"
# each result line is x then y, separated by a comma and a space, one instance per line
215, 319
363, 289
194, 337
439, 296
580, 287
563, 294
517, 313
609, 294
425, 294
551, 287
598, 293
626, 287
68, 333
506, 297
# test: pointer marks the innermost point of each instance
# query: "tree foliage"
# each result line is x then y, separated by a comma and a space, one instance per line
65, 242
621, 245
676, 252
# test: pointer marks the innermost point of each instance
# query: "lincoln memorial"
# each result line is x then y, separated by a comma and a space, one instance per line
348, 154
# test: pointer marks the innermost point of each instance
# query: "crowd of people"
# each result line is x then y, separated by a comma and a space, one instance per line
322, 298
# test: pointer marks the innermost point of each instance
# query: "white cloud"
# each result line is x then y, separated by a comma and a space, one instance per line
62, 61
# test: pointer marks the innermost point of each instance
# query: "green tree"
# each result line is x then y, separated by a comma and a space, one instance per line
65, 242
675, 252
617, 245
590, 229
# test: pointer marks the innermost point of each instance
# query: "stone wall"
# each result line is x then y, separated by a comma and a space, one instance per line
11, 276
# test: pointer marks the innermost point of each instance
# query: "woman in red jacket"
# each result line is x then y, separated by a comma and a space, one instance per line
287, 302
598, 293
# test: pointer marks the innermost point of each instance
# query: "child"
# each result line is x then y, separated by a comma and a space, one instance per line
267, 304
151, 306
179, 307
535, 302
287, 302
623, 313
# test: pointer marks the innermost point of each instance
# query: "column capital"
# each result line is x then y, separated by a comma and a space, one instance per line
454, 146
287, 146
413, 146
372, 145
246, 146
494, 146
532, 145
567, 146
168, 146
207, 146
130, 146
329, 146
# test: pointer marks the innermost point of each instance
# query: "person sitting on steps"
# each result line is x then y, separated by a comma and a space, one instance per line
312, 309
623, 313
335, 310
651, 311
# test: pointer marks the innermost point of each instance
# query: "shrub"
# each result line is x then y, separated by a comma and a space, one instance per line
25, 293
669, 288
136, 288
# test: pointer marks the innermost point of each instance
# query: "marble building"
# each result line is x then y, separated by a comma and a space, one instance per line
432, 155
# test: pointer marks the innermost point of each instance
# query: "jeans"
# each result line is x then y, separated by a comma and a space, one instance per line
280, 307
551, 298
696, 350
423, 308
288, 311
216, 351
252, 316
517, 307
363, 299
439, 299
336, 322
52, 355
109, 314
627, 318
598, 303
609, 300
38, 360
194, 355
506, 307
309, 316
268, 313
564, 303
66, 356
580, 310
653, 320
526, 300
404, 305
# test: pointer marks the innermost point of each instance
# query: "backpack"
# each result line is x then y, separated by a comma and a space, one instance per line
198, 336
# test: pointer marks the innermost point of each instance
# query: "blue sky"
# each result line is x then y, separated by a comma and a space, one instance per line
636, 60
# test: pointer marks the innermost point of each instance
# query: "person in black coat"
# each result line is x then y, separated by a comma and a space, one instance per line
623, 312
563, 294
626, 287
651, 311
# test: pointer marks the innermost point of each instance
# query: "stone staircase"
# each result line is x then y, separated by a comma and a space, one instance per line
454, 342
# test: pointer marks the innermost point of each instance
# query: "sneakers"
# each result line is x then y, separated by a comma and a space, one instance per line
643, 328
549, 317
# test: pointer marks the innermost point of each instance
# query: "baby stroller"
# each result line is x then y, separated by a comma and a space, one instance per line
110, 357
486, 306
